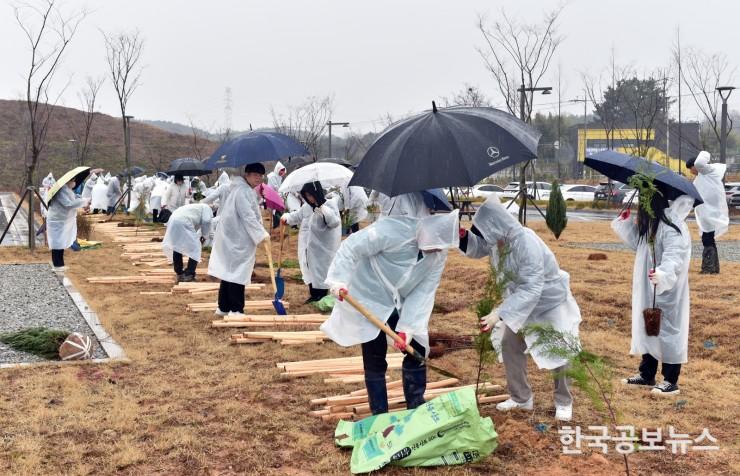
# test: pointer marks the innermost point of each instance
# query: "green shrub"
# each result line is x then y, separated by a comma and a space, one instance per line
556, 217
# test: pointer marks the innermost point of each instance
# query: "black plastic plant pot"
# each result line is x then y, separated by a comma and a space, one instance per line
652, 317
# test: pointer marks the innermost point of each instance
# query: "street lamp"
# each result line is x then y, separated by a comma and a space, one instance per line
77, 149
343, 124
724, 92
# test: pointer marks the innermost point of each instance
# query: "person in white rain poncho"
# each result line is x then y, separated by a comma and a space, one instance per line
274, 180
114, 193
218, 196
538, 294
393, 268
61, 223
177, 194
354, 204
187, 230
45, 186
155, 199
99, 202
239, 232
88, 187
322, 236
670, 282
712, 216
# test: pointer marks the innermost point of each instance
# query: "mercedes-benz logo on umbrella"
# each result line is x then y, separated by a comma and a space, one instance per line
493, 152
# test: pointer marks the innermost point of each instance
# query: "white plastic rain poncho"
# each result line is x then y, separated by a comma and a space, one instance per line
100, 195
45, 186
61, 221
539, 291
184, 229
158, 191
114, 191
713, 214
88, 187
239, 232
274, 180
673, 255
381, 269
294, 204
319, 238
176, 196
354, 201
137, 187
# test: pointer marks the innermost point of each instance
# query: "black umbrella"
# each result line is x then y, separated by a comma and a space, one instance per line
456, 146
339, 161
134, 171
187, 166
293, 163
620, 167
253, 147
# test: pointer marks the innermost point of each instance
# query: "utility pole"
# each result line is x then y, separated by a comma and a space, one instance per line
724, 92
585, 115
343, 124
127, 140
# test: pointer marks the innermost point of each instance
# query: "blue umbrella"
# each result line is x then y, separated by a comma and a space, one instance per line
253, 147
455, 146
620, 167
436, 199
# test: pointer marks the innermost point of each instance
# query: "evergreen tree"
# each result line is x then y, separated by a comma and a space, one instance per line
556, 217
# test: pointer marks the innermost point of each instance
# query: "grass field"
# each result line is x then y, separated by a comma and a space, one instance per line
189, 403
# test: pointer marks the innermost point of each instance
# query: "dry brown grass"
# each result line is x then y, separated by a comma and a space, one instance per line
189, 403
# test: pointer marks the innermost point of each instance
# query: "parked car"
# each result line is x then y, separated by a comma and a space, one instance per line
732, 192
486, 190
540, 192
578, 192
613, 192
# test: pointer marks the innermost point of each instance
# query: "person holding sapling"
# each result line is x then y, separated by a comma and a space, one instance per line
660, 280
187, 230
712, 216
393, 268
320, 239
238, 234
538, 293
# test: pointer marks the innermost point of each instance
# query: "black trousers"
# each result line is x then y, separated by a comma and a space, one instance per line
155, 213
354, 228
374, 351
57, 258
707, 239
177, 263
231, 297
649, 367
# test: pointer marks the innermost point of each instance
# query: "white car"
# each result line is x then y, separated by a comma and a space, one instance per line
486, 190
542, 192
578, 192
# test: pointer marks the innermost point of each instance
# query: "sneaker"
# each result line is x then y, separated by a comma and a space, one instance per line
179, 277
59, 270
510, 404
666, 389
638, 380
220, 313
563, 413
186, 278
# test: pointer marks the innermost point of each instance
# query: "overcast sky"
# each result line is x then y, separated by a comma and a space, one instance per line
374, 56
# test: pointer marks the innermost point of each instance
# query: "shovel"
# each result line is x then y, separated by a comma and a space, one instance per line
276, 303
279, 281
390, 333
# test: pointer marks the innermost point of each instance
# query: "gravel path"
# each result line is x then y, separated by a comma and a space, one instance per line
32, 296
728, 250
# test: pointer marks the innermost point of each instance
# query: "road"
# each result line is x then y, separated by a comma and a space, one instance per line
18, 233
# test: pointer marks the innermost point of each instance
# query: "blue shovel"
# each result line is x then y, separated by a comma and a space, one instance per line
279, 291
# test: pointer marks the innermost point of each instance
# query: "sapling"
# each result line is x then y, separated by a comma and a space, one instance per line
555, 216
498, 279
589, 372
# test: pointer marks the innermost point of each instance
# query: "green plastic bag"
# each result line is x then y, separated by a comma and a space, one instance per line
447, 430
326, 303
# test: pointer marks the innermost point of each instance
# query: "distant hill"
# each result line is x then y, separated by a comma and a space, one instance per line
151, 147
177, 128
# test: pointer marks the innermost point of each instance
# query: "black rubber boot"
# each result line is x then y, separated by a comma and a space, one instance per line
377, 393
709, 260
414, 386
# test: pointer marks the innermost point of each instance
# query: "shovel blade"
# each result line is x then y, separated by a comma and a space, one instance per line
279, 286
279, 308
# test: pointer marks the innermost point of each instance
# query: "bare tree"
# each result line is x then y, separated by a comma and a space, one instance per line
306, 123
197, 141
469, 96
123, 54
702, 74
518, 55
88, 96
596, 89
49, 32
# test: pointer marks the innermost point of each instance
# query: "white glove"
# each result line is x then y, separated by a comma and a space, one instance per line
489, 321
338, 290
407, 337
656, 276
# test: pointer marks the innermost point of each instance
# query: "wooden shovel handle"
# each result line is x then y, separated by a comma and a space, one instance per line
269, 261
382, 326
280, 253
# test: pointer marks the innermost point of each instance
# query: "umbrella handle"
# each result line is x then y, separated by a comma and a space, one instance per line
269, 261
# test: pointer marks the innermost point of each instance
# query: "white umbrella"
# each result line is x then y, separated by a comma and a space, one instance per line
330, 175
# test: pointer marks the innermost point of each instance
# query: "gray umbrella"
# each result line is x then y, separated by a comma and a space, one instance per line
456, 146
187, 166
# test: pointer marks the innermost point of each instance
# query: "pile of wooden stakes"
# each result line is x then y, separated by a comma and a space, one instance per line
197, 288
285, 338
141, 279
255, 320
257, 305
341, 370
355, 406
